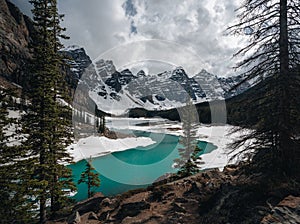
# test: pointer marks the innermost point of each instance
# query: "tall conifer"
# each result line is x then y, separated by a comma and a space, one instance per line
188, 163
47, 122
90, 177
14, 192
273, 54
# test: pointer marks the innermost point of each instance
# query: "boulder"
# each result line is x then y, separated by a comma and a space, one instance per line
74, 218
286, 212
131, 209
93, 216
90, 205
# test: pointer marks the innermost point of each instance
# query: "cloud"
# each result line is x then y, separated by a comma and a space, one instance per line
197, 25
96, 25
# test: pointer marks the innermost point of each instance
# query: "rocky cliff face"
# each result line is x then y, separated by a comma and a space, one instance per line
77, 61
169, 89
15, 32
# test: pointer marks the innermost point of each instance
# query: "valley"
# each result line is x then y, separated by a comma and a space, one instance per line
161, 127
158, 147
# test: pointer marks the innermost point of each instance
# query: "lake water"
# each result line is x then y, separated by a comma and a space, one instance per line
134, 168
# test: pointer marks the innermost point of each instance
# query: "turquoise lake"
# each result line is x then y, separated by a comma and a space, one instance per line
134, 168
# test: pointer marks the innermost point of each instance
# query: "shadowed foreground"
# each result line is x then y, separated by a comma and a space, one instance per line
232, 196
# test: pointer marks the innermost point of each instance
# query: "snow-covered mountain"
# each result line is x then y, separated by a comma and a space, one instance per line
116, 91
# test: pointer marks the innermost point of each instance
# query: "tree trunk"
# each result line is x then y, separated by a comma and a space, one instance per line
89, 187
43, 214
283, 39
284, 104
43, 217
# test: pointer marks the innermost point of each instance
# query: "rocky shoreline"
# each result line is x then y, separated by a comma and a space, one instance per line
212, 196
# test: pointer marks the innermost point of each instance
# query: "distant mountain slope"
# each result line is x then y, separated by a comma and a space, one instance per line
101, 84
245, 106
116, 92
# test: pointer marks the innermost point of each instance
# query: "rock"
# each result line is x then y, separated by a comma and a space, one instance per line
90, 205
131, 209
181, 200
193, 189
163, 177
110, 203
15, 35
291, 202
286, 212
74, 218
79, 62
106, 202
178, 208
93, 216
15, 38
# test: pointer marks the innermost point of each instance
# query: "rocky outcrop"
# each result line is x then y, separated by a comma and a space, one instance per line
286, 212
74, 218
232, 196
77, 61
155, 92
15, 34
90, 205
119, 79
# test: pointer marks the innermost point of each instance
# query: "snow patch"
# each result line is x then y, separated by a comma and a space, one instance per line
218, 135
94, 146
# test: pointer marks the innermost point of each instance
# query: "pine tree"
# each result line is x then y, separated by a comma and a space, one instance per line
273, 28
192, 165
188, 163
102, 124
90, 177
47, 122
62, 121
15, 206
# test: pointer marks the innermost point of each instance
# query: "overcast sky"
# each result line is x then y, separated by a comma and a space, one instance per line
198, 26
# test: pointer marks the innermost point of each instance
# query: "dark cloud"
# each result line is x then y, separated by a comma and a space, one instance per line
129, 8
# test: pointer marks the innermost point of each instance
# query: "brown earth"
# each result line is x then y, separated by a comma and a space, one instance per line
209, 197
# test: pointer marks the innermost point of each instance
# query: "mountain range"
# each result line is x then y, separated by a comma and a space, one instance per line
116, 92
113, 91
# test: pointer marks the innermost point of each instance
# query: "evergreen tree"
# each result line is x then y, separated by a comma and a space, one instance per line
90, 177
191, 166
47, 122
273, 28
15, 206
189, 162
62, 121
102, 124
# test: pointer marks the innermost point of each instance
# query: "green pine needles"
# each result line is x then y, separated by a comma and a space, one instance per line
90, 177
15, 205
189, 161
48, 121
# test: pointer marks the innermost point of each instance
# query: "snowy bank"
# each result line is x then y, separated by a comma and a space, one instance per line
219, 135
94, 146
